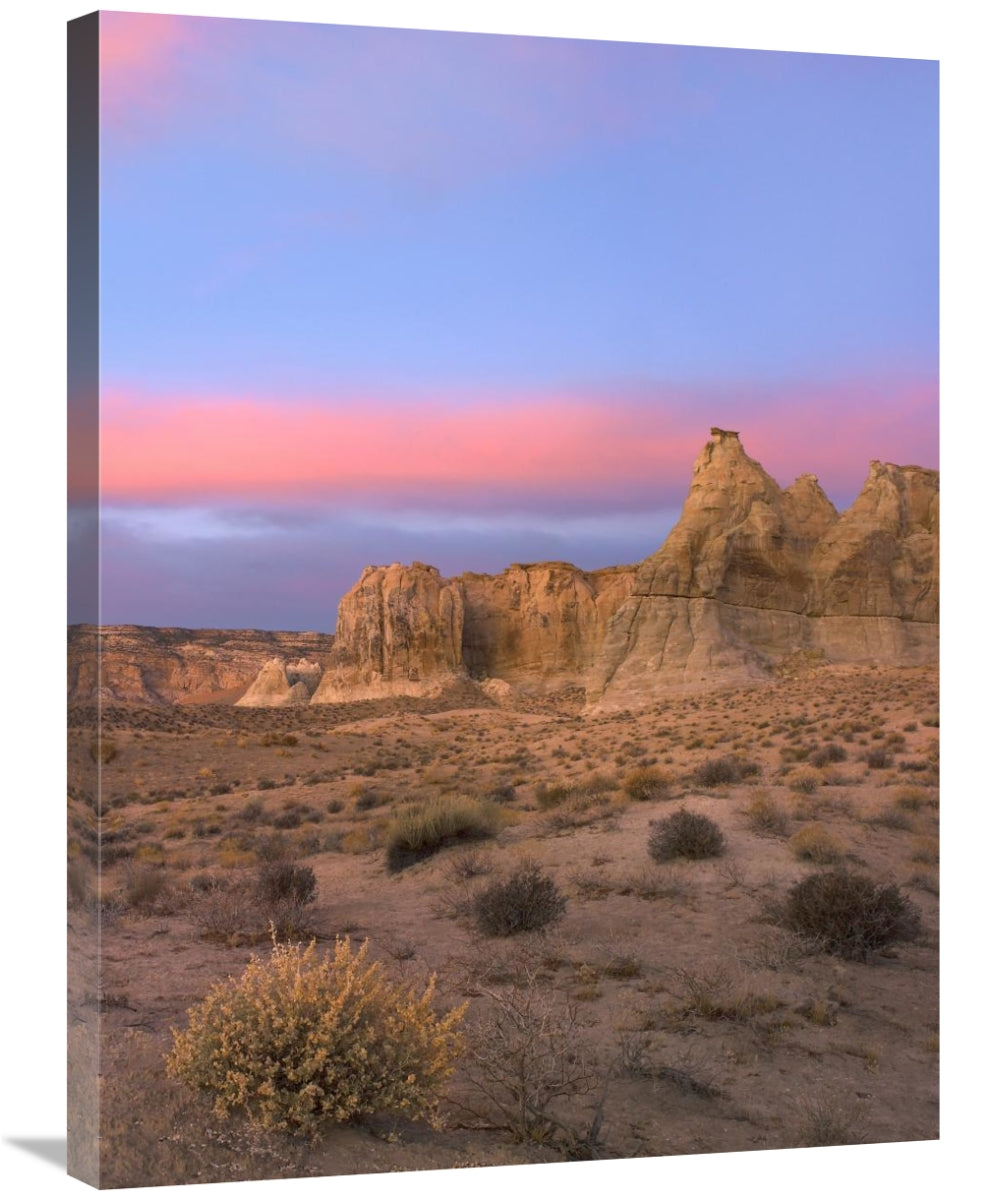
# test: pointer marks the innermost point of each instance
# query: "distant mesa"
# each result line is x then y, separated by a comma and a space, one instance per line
751, 578
140, 664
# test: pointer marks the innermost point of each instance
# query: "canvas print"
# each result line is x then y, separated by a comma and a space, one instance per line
503, 704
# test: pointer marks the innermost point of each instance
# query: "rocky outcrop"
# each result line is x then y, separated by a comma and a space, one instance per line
406, 631
752, 579
540, 624
279, 683
399, 633
139, 664
753, 573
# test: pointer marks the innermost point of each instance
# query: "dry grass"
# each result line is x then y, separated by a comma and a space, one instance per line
632, 952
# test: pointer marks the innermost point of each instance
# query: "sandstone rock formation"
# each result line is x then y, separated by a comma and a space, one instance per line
144, 665
752, 573
406, 631
279, 683
399, 633
751, 576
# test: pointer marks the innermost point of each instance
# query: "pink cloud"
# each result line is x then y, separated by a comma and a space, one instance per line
545, 448
139, 57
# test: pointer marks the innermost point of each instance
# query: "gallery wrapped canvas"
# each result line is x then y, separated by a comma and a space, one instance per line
503, 705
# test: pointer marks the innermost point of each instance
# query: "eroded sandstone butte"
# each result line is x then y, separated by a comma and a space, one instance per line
407, 631
752, 576
145, 665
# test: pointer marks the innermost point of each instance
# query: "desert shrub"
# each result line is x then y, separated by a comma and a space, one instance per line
300, 1041
527, 1062
685, 835
804, 782
278, 739
552, 794
714, 772
144, 886
827, 1122
285, 881
291, 819
815, 844
925, 850
764, 815
716, 994
102, 750
206, 881
878, 758
528, 899
426, 828
502, 793
830, 753
849, 914
647, 783
366, 797
78, 884
911, 798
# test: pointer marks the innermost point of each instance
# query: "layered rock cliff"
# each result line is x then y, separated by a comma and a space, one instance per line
145, 665
406, 631
751, 575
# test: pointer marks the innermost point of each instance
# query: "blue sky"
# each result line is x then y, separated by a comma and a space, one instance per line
570, 257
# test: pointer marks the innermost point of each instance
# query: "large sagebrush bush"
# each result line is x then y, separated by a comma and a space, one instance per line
685, 835
849, 914
528, 899
301, 1041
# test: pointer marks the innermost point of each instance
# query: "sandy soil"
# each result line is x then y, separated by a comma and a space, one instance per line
703, 1024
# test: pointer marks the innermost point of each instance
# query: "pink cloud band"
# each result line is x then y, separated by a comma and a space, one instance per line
550, 446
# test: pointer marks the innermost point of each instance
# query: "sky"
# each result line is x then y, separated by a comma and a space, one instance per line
375, 295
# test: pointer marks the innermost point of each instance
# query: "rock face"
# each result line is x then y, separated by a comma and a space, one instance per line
753, 573
540, 624
752, 576
399, 633
406, 631
144, 665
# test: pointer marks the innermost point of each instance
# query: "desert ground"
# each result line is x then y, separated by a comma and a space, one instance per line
684, 1016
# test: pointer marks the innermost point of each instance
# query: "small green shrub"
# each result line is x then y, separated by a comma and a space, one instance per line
715, 772
685, 835
529, 899
299, 1042
426, 828
647, 783
849, 914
